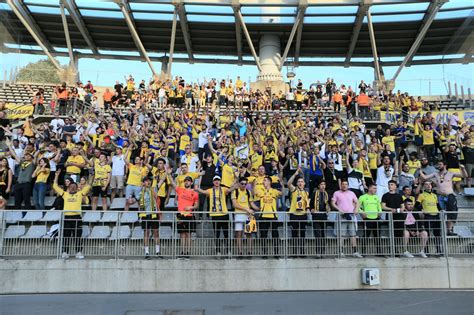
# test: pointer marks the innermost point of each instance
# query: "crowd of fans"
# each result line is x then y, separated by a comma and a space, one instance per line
151, 139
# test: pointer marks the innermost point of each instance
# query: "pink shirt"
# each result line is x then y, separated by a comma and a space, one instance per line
345, 200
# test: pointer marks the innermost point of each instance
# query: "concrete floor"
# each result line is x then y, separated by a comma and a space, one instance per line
294, 303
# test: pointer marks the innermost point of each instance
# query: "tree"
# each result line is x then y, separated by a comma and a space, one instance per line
42, 71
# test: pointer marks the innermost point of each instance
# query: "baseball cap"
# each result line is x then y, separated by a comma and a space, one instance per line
216, 177
188, 178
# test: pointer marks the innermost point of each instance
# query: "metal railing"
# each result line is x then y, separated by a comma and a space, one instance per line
118, 235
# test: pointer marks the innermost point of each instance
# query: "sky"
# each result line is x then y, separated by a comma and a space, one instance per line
417, 80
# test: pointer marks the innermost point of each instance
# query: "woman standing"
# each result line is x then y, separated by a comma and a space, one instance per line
39, 189
6, 178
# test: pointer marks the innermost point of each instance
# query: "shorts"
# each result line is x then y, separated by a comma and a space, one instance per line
116, 182
455, 170
132, 191
149, 223
348, 228
98, 192
470, 169
450, 204
240, 219
418, 141
186, 224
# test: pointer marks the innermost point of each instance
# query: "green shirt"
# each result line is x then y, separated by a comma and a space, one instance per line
370, 204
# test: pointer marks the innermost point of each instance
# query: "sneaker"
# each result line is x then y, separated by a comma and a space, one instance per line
147, 256
79, 255
357, 255
408, 254
423, 255
65, 255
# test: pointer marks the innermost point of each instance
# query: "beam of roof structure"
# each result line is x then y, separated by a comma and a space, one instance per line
136, 38
467, 22
469, 43
126, 4
433, 10
78, 20
296, 25
247, 36
279, 3
23, 15
373, 43
361, 13
238, 31
235, 61
66, 34
435, 5
183, 21
173, 39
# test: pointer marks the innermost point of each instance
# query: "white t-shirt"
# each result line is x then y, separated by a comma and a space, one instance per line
202, 139
52, 163
382, 178
118, 165
57, 124
191, 161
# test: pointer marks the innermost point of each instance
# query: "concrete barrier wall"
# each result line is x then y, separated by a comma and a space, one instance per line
57, 276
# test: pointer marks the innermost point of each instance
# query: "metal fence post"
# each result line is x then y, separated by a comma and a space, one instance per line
444, 237
285, 235
60, 236
173, 237
391, 234
339, 237
117, 225
3, 225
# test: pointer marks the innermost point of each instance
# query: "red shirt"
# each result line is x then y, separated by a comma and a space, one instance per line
186, 198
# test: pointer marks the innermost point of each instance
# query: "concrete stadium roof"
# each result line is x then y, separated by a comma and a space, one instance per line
99, 31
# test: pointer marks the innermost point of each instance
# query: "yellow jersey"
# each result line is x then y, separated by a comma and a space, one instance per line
101, 174
180, 178
72, 202
243, 199
268, 202
136, 174
42, 176
74, 159
217, 201
429, 203
299, 202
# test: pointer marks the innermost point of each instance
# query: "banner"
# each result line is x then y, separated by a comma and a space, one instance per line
441, 117
18, 111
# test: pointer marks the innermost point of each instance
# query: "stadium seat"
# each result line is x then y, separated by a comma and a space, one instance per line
91, 216
463, 231
32, 216
35, 231
118, 203
99, 232
469, 191
121, 232
137, 233
86, 231
12, 217
49, 201
110, 216
129, 217
14, 231
51, 216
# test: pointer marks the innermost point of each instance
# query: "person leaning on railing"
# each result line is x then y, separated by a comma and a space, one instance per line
72, 215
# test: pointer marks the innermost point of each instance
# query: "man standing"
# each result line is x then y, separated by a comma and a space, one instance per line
392, 201
118, 174
188, 201
371, 210
72, 229
218, 210
22, 189
446, 198
346, 203
427, 202
150, 215
385, 173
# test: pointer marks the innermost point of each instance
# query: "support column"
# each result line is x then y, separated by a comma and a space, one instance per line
173, 38
374, 46
164, 75
270, 58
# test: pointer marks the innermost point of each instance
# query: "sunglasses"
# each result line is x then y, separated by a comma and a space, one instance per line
243, 183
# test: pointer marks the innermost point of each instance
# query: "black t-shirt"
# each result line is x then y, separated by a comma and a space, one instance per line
392, 200
452, 160
3, 123
331, 177
468, 153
